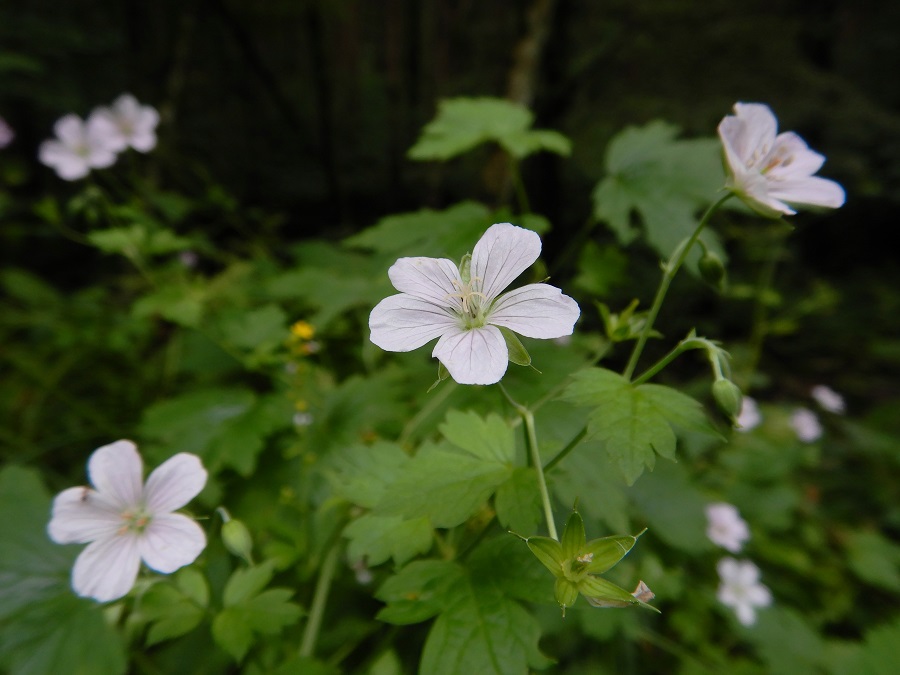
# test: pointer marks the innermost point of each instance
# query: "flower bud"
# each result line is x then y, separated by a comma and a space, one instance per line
712, 269
236, 538
728, 397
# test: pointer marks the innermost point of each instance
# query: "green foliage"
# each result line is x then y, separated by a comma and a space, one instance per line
634, 422
249, 610
666, 181
465, 123
44, 628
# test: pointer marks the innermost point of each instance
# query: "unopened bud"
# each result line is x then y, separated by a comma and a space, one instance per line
712, 269
728, 397
236, 538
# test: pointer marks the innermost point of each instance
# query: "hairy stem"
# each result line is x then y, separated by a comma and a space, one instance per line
320, 598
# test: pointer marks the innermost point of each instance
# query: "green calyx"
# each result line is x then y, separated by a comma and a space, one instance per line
575, 562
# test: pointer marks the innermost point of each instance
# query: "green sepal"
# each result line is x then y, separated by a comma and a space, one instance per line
549, 552
573, 537
517, 352
443, 374
465, 269
602, 593
606, 552
566, 593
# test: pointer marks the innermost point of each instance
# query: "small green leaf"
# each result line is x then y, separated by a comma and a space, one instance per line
445, 486
489, 438
418, 591
518, 501
377, 538
244, 583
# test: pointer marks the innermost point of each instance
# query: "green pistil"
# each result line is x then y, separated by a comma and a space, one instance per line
136, 520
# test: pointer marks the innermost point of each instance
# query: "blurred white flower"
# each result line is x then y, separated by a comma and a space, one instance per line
750, 417
302, 419
740, 589
130, 124
465, 310
829, 399
725, 526
126, 521
6, 134
806, 425
768, 171
79, 146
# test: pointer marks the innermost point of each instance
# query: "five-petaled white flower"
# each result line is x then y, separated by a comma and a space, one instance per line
806, 425
829, 399
750, 417
130, 124
466, 311
768, 171
79, 146
126, 521
725, 527
740, 589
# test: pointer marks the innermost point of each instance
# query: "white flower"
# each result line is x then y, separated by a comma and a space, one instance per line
126, 521
435, 300
770, 171
829, 399
130, 124
750, 416
806, 425
740, 589
6, 134
725, 526
79, 146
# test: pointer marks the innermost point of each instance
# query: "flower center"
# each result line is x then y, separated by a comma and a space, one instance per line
780, 157
135, 520
471, 304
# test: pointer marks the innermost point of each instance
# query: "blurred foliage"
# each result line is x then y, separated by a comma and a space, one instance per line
160, 300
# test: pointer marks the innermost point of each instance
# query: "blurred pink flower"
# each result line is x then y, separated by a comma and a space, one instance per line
740, 589
6, 134
806, 425
768, 171
725, 526
130, 124
829, 399
79, 146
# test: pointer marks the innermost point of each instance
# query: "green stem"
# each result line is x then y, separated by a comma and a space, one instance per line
760, 310
670, 269
320, 597
531, 441
434, 402
566, 450
521, 194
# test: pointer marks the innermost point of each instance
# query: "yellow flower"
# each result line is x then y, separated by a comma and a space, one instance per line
303, 330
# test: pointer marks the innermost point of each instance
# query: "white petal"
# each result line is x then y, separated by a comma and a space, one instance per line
745, 614
536, 311
81, 515
730, 130
126, 106
755, 191
431, 279
171, 541
810, 191
104, 133
401, 323
502, 254
477, 356
52, 152
116, 471
106, 569
174, 483
757, 134
70, 130
801, 160
143, 141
